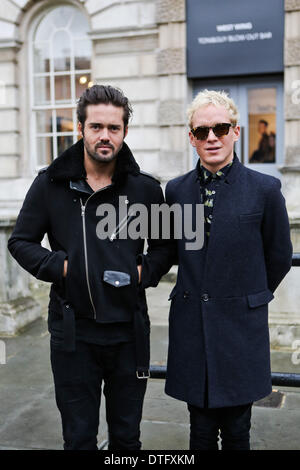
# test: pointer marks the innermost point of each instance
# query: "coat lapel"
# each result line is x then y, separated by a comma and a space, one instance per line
225, 208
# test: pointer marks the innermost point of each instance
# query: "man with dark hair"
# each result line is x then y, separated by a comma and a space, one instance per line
265, 153
105, 95
97, 312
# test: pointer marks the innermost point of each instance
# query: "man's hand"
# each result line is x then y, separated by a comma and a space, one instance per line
139, 268
65, 268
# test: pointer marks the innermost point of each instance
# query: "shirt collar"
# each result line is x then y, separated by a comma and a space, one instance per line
206, 176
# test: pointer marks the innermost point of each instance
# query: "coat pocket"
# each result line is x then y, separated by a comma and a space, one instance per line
250, 218
117, 278
261, 298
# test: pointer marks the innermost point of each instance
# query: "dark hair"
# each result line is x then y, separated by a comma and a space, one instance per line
264, 122
105, 94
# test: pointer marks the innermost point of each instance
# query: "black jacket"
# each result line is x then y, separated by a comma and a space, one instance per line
102, 278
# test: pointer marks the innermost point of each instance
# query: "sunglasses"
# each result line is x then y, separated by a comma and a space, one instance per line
221, 129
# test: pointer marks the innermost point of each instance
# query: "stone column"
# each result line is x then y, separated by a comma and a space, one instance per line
171, 69
9, 112
17, 306
9, 99
291, 170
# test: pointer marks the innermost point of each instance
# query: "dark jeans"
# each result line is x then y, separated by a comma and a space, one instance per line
78, 378
233, 423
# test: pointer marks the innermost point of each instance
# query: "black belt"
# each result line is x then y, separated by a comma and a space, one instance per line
142, 339
142, 335
69, 326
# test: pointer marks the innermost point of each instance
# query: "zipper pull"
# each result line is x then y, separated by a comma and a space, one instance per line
121, 225
82, 208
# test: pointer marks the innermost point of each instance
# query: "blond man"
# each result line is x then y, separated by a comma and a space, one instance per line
219, 357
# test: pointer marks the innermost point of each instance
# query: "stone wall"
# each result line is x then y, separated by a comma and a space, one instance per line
9, 103
17, 305
171, 69
291, 170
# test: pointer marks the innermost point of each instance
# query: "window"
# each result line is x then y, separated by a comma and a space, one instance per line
61, 70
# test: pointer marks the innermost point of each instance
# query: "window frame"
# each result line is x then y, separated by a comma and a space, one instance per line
53, 106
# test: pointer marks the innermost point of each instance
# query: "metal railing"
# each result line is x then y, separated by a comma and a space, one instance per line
296, 259
284, 379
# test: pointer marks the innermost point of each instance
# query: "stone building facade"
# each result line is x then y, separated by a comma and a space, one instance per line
139, 46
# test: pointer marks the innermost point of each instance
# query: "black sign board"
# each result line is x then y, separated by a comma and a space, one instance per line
234, 37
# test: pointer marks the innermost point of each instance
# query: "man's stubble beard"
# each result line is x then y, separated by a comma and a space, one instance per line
94, 155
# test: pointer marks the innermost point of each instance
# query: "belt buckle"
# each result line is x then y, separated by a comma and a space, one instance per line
142, 375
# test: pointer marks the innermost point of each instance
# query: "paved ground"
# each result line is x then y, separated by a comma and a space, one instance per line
29, 418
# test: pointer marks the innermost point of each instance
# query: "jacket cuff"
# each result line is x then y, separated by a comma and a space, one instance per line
141, 260
52, 270
59, 266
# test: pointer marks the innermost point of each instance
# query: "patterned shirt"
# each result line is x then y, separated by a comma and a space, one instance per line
209, 184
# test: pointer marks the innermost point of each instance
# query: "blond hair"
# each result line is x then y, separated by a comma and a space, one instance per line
216, 98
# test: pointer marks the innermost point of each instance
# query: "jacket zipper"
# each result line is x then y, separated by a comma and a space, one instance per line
83, 207
119, 227
85, 257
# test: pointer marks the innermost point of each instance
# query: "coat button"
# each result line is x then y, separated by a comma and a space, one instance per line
205, 297
186, 294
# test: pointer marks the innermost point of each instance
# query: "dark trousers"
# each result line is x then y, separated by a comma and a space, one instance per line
233, 423
78, 378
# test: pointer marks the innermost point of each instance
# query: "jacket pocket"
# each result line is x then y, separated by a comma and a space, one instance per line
117, 297
250, 218
261, 298
117, 278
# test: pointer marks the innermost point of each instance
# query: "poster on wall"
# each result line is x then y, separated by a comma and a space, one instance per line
262, 125
234, 37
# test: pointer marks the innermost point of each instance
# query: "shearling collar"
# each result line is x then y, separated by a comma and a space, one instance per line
69, 165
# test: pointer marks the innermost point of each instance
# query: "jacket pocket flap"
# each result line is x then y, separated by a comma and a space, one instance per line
255, 217
116, 278
261, 298
172, 293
